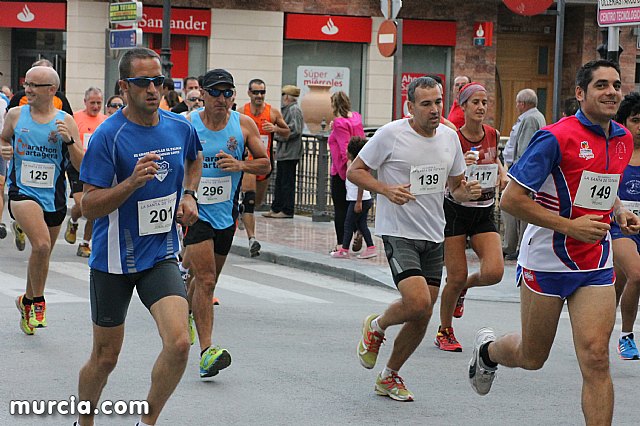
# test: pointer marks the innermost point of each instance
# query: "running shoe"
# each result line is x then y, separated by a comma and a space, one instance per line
393, 386
459, 309
83, 250
3, 231
38, 315
70, 233
20, 236
192, 329
368, 253
446, 340
481, 376
25, 312
357, 242
627, 348
340, 254
213, 360
254, 247
369, 345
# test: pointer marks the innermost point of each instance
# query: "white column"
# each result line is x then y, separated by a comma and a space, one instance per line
5, 57
379, 83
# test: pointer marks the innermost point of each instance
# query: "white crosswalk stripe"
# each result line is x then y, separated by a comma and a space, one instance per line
13, 286
261, 291
359, 290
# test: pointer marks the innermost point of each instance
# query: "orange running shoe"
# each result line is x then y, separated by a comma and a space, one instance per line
25, 313
38, 315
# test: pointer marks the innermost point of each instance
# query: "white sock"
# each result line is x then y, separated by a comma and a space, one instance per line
625, 333
387, 372
75, 222
85, 242
141, 423
376, 327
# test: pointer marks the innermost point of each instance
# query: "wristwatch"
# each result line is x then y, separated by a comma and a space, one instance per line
194, 194
71, 142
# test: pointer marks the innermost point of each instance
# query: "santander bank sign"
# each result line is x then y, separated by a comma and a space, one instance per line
195, 22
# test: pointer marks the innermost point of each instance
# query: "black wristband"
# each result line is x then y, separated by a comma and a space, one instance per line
71, 142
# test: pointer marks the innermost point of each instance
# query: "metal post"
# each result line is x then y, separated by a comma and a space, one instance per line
397, 75
613, 44
557, 68
165, 52
322, 171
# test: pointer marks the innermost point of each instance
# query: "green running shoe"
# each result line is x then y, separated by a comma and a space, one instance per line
25, 313
369, 344
393, 386
38, 315
192, 329
213, 360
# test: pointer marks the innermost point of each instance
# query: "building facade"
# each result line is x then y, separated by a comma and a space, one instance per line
325, 42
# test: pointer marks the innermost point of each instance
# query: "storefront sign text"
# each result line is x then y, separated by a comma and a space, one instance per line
195, 22
336, 77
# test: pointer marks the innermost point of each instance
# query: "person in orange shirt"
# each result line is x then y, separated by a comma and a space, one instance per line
87, 120
269, 121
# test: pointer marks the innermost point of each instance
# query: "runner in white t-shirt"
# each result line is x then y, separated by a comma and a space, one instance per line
415, 158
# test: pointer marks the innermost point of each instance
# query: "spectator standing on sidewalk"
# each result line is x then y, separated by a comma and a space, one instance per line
529, 121
456, 114
346, 124
88, 121
414, 158
472, 220
288, 153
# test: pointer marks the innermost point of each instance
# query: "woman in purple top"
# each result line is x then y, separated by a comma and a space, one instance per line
346, 124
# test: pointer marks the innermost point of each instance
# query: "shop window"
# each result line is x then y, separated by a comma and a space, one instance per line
325, 54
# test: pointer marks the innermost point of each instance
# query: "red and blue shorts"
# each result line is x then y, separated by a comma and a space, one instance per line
563, 284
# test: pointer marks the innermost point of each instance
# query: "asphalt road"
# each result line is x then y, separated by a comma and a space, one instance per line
292, 336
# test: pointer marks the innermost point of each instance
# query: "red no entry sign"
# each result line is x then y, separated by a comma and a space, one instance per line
528, 7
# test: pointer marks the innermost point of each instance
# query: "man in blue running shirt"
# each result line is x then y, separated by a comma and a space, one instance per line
39, 140
141, 172
224, 134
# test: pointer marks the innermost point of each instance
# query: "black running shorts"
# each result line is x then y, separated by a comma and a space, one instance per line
203, 231
111, 293
462, 220
411, 258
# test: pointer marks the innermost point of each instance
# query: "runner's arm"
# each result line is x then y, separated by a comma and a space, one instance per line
517, 202
98, 202
463, 190
76, 151
359, 174
260, 164
6, 136
187, 213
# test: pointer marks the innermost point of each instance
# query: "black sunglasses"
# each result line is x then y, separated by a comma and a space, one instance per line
146, 81
33, 85
227, 93
117, 106
258, 92
195, 99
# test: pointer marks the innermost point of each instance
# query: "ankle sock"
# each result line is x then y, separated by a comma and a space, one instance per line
484, 354
38, 299
74, 222
141, 423
26, 301
376, 327
387, 372
624, 334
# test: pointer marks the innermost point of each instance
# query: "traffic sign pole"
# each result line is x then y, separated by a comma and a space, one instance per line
397, 75
613, 44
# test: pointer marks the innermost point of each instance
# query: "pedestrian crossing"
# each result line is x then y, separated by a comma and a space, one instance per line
12, 286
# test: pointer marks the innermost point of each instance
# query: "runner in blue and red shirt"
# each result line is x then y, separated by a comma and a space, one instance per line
573, 168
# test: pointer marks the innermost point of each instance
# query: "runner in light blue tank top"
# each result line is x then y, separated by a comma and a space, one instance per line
39, 161
217, 191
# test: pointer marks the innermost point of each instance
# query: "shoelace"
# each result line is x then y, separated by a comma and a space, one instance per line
375, 340
626, 344
397, 380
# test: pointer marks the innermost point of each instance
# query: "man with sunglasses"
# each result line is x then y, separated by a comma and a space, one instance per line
193, 100
88, 121
140, 175
269, 121
39, 140
226, 134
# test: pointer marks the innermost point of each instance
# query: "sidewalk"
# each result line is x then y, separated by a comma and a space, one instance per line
303, 244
